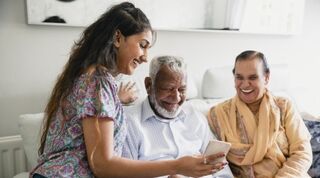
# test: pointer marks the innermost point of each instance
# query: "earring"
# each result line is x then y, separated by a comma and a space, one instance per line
116, 39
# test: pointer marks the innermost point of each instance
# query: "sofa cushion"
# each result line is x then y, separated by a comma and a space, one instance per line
22, 175
192, 91
313, 125
218, 83
29, 127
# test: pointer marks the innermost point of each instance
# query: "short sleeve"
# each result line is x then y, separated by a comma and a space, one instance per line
96, 96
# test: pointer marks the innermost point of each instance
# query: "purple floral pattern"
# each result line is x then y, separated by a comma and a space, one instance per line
64, 153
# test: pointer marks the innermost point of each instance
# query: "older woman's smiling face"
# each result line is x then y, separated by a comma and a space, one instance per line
250, 80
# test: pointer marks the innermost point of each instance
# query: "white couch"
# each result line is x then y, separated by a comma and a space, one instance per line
217, 85
29, 127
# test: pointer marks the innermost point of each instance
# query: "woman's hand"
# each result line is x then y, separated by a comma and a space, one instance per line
127, 93
198, 166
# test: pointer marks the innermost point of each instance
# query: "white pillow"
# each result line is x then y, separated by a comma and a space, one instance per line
192, 91
199, 105
22, 175
29, 126
204, 105
218, 83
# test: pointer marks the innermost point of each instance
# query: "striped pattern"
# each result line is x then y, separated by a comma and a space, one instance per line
12, 156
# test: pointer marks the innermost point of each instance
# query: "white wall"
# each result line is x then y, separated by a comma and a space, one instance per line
32, 56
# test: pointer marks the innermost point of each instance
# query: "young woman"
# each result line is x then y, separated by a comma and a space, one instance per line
85, 126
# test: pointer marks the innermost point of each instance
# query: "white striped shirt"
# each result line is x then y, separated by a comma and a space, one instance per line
151, 137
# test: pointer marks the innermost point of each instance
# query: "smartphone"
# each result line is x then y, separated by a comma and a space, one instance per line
216, 146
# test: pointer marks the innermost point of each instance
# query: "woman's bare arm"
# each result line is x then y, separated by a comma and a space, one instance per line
98, 135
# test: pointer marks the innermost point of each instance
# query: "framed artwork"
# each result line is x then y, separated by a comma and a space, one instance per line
163, 14
248, 16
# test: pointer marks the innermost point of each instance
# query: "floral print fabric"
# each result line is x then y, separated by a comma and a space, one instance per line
314, 129
65, 153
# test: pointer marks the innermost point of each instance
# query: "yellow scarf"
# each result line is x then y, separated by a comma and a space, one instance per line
261, 137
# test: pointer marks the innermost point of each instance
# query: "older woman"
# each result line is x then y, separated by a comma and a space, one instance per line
268, 137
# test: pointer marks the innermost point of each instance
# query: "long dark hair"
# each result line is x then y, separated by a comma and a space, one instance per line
94, 48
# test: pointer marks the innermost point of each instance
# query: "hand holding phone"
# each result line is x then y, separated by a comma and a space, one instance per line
216, 146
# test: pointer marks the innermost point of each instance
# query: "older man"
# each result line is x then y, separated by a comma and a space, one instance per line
162, 126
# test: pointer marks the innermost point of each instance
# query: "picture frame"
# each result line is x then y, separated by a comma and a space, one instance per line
164, 14
245, 16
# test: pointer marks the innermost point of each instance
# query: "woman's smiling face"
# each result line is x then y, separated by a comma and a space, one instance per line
250, 80
132, 51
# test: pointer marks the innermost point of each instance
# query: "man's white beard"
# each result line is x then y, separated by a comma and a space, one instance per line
163, 112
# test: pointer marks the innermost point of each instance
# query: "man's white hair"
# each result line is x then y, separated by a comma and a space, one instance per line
174, 63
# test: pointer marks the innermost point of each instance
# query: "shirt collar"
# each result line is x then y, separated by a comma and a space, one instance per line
147, 113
